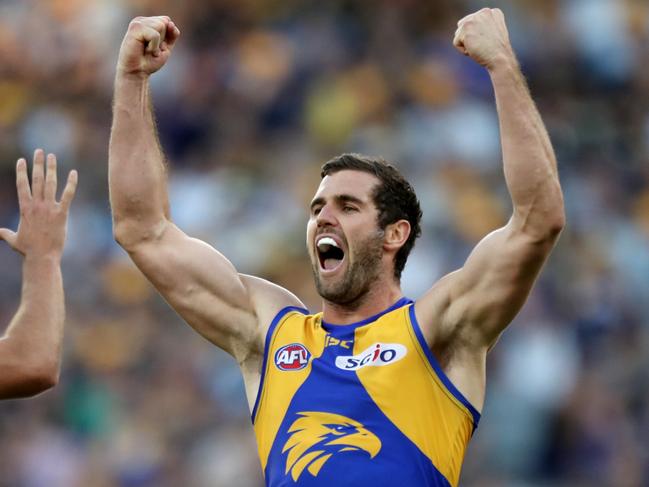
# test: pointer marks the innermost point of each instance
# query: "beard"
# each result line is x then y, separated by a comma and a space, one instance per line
359, 275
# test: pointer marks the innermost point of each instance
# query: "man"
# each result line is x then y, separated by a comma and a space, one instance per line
30, 350
375, 390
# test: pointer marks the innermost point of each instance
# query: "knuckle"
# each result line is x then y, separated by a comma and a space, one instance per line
153, 22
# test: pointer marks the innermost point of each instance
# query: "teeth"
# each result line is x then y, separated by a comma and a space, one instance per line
326, 242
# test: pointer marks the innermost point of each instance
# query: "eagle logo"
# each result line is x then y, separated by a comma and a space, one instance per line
315, 436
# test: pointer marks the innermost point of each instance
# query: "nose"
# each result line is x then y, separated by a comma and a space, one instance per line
326, 217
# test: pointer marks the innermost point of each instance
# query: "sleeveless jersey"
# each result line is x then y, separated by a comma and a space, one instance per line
364, 404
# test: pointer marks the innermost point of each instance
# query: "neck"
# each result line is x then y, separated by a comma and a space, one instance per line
381, 296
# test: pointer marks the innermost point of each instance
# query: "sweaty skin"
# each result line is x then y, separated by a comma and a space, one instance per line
462, 315
30, 349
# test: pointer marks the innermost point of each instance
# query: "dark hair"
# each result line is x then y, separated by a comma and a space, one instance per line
393, 196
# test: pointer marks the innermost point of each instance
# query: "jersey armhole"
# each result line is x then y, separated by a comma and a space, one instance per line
437, 369
269, 339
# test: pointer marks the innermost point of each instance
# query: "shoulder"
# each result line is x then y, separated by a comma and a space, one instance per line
432, 309
263, 290
268, 299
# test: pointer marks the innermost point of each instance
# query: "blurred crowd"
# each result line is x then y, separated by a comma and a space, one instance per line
257, 95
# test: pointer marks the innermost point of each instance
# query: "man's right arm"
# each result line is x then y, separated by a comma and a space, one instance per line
200, 283
30, 349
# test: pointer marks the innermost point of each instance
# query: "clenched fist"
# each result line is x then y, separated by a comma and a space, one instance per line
147, 45
484, 38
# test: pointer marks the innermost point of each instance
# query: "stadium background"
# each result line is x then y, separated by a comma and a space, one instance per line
257, 95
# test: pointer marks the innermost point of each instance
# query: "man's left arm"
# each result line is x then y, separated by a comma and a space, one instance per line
476, 303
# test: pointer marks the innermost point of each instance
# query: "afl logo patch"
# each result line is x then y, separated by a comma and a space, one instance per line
294, 356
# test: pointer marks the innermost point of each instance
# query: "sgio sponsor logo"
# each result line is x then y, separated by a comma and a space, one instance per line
377, 355
294, 356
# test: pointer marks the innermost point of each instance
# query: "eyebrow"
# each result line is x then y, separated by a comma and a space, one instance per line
339, 198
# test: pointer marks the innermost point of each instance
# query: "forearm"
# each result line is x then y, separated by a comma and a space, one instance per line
31, 347
529, 162
137, 175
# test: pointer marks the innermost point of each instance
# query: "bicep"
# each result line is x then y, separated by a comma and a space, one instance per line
202, 286
483, 297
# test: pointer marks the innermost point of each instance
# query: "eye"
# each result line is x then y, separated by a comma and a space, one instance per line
349, 209
316, 210
339, 429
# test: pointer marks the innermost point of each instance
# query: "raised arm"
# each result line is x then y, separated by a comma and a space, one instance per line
474, 304
137, 175
227, 308
30, 350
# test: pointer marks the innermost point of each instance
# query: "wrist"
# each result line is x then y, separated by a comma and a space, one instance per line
130, 92
506, 72
41, 259
131, 77
503, 63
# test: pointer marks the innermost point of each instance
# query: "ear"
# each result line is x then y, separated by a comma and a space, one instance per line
396, 235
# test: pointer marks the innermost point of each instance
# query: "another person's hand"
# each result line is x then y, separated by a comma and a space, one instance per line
42, 226
484, 38
147, 45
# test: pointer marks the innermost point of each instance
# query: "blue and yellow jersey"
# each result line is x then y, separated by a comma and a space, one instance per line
359, 404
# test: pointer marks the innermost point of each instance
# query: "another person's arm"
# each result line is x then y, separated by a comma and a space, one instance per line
473, 305
199, 282
30, 350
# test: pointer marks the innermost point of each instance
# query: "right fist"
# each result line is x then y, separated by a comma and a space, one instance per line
484, 38
147, 45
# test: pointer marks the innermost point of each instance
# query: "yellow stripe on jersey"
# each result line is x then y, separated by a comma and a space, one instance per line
273, 403
416, 401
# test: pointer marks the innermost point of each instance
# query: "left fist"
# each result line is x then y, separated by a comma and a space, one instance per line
484, 38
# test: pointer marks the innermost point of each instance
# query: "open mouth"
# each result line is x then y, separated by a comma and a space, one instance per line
330, 254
